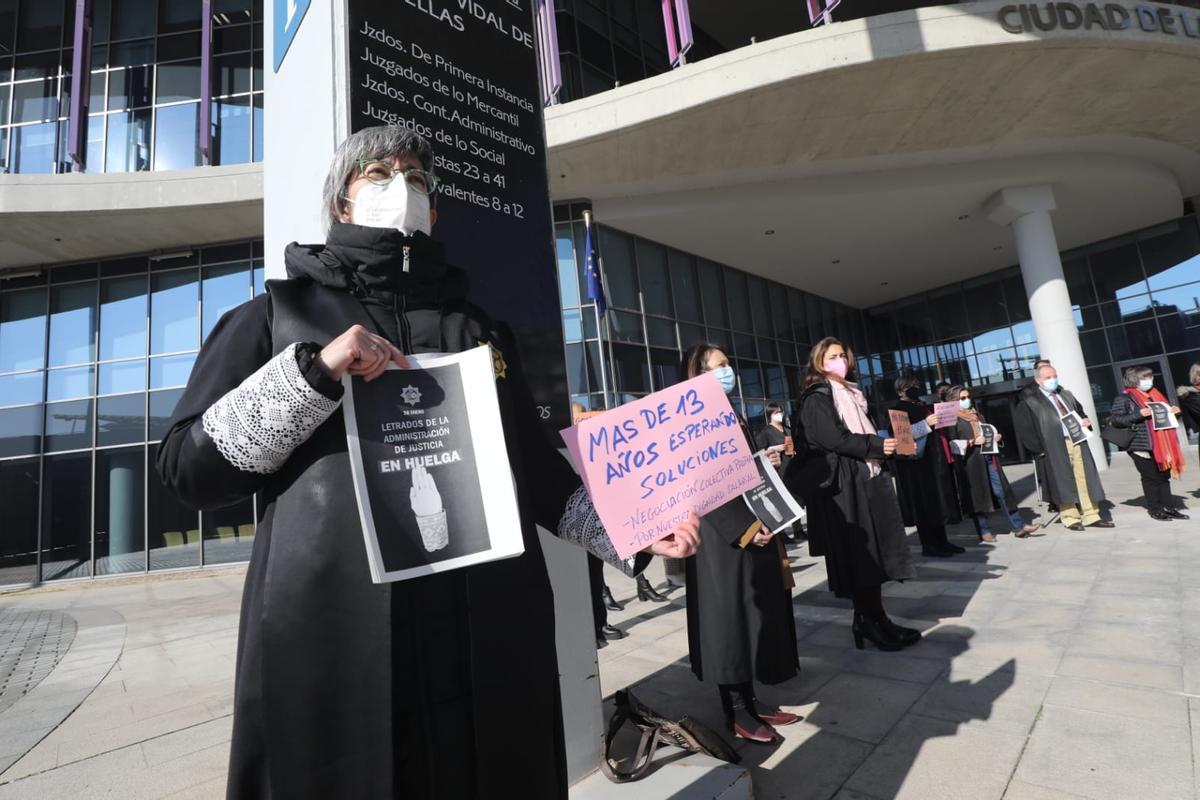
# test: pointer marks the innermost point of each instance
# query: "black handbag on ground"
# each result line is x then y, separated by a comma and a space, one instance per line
684, 732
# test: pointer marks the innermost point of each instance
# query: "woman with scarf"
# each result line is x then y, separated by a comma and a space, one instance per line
854, 519
983, 486
1156, 454
739, 601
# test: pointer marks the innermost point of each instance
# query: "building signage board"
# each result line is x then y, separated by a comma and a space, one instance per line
287, 18
465, 75
1178, 21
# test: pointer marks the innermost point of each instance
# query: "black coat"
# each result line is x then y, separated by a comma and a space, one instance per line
445, 686
739, 608
975, 487
1126, 413
1189, 404
772, 437
855, 522
1040, 430
924, 483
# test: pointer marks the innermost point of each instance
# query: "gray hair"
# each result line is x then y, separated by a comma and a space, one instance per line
1038, 372
378, 143
1194, 374
1132, 375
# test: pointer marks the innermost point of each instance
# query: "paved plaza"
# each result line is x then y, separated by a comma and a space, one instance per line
1062, 666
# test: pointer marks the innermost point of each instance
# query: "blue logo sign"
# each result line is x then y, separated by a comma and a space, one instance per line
288, 16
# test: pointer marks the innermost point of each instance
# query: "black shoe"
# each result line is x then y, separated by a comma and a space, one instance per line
1076, 526
874, 631
1161, 516
610, 633
936, 552
601, 642
953, 548
610, 602
907, 636
646, 591
1102, 524
1175, 513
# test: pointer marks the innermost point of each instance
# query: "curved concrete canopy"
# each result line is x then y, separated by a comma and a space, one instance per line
864, 142
53, 218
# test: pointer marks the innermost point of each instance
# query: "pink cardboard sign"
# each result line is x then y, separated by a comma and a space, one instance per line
947, 414
648, 463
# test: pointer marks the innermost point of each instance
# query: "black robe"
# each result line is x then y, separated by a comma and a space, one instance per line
855, 521
441, 687
1189, 404
739, 609
924, 483
974, 483
1040, 430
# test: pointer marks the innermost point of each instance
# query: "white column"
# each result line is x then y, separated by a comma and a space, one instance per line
1027, 209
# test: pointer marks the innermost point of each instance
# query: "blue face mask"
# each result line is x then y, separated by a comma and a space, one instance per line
726, 377
1146, 384
964, 404
1051, 385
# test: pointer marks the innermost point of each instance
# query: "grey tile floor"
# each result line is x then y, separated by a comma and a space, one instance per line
1062, 666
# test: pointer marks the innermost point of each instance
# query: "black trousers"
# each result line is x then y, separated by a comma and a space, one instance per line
596, 580
1156, 483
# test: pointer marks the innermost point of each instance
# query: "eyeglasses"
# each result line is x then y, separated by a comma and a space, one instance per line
381, 173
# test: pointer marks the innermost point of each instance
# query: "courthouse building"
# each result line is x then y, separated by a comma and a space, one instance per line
911, 179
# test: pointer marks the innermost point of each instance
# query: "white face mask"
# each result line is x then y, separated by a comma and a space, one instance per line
777, 418
1146, 384
396, 205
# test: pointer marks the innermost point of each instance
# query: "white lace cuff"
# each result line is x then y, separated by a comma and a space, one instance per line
257, 425
580, 524
435, 534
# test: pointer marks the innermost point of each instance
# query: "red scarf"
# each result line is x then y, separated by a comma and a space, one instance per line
1164, 443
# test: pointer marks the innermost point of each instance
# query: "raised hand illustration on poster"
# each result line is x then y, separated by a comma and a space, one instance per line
427, 507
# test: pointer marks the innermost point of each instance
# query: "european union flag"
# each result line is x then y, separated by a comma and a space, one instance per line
595, 288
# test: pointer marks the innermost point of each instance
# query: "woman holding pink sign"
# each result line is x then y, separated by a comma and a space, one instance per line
854, 519
739, 606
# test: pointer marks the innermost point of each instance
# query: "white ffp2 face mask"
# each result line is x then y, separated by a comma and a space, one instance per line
393, 206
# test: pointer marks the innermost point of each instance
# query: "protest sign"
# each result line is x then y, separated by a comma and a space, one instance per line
947, 414
770, 501
990, 446
906, 444
430, 470
1161, 418
649, 463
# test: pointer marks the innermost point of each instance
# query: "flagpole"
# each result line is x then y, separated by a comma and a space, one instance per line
601, 319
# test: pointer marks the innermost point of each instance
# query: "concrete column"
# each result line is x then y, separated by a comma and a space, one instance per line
125, 533
1027, 210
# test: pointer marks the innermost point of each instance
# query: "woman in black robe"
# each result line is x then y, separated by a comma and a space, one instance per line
739, 605
853, 516
441, 687
921, 479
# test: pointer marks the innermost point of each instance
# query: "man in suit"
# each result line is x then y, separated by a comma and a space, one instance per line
1071, 479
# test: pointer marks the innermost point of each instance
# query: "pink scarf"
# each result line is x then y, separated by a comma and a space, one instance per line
851, 406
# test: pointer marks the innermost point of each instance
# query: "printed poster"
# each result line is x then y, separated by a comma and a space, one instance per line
991, 446
1161, 418
771, 502
431, 472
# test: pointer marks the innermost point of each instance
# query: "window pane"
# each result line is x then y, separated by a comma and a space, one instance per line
179, 81
133, 18
616, 254
683, 283
162, 406
760, 309
177, 137
664, 367
225, 287
661, 332
229, 533
128, 145
174, 308
40, 24
67, 516
631, 368
781, 329
178, 15
1094, 346
18, 523
171, 370
131, 85
231, 140
1135, 340
120, 519
576, 370
690, 335
572, 329
22, 330
1173, 257
69, 425
20, 389
231, 74
625, 327
174, 531
20, 431
258, 127
1117, 272
72, 324
739, 300
259, 279
1181, 327
120, 419
712, 291
35, 101
949, 312
67, 384
750, 378
123, 376
33, 148
985, 305
122, 318
568, 274
652, 276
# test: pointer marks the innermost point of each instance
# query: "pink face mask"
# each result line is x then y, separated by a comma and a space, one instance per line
837, 368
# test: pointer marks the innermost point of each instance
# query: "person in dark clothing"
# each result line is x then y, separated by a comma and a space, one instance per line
343, 687
1156, 454
601, 599
1039, 460
985, 487
921, 480
1189, 399
777, 436
853, 516
739, 602
1072, 481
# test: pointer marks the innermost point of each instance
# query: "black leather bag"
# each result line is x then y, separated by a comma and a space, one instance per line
1121, 438
811, 473
657, 729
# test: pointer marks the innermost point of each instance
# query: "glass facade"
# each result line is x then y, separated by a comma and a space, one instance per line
93, 359
144, 102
